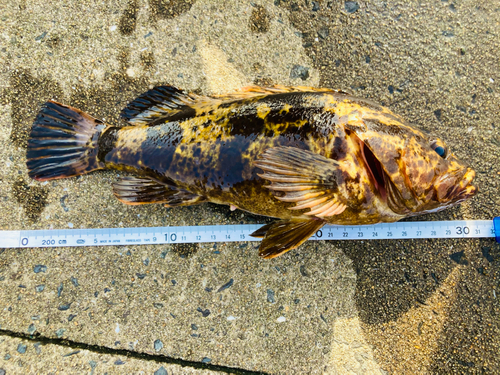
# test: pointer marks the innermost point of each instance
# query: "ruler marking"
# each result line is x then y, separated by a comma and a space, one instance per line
232, 233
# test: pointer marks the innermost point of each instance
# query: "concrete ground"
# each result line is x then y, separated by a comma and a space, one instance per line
371, 307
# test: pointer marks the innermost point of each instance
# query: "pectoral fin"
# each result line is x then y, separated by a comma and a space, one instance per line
308, 179
135, 190
284, 235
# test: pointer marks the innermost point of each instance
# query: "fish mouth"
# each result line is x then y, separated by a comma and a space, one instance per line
459, 187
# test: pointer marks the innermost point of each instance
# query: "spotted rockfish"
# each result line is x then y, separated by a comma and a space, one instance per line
306, 156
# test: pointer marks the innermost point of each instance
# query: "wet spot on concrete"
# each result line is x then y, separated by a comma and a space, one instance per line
185, 250
259, 20
438, 113
54, 42
32, 198
168, 9
485, 250
263, 81
108, 103
27, 94
147, 60
459, 258
128, 21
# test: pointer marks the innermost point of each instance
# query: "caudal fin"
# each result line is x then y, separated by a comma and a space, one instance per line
63, 143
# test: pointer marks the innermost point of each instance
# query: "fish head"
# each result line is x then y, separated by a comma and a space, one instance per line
413, 172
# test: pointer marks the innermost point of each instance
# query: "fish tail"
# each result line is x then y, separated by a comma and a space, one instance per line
63, 143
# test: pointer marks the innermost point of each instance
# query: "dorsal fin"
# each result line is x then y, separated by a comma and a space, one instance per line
162, 102
251, 91
167, 103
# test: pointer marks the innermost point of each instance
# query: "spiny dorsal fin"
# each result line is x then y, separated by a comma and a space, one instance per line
252, 91
310, 180
136, 190
284, 235
160, 103
167, 103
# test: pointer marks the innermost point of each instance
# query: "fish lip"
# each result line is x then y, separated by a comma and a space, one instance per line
466, 189
461, 187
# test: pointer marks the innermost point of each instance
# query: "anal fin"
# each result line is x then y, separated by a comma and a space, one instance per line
284, 235
136, 190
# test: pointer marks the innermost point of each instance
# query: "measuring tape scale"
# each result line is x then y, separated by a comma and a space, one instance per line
234, 233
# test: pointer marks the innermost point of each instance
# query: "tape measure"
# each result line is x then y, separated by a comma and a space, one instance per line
234, 233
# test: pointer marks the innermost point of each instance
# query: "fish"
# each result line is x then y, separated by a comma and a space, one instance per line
305, 156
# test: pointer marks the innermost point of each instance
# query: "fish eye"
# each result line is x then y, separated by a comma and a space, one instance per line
439, 147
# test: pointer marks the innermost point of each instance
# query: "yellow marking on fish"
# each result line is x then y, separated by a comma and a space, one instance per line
263, 110
131, 139
356, 112
286, 108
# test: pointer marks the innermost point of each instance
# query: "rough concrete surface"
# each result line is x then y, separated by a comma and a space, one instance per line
327, 307
34, 357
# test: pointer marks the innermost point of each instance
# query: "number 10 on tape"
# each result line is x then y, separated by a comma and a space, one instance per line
232, 233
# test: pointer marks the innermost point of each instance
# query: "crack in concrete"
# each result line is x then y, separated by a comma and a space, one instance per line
128, 353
